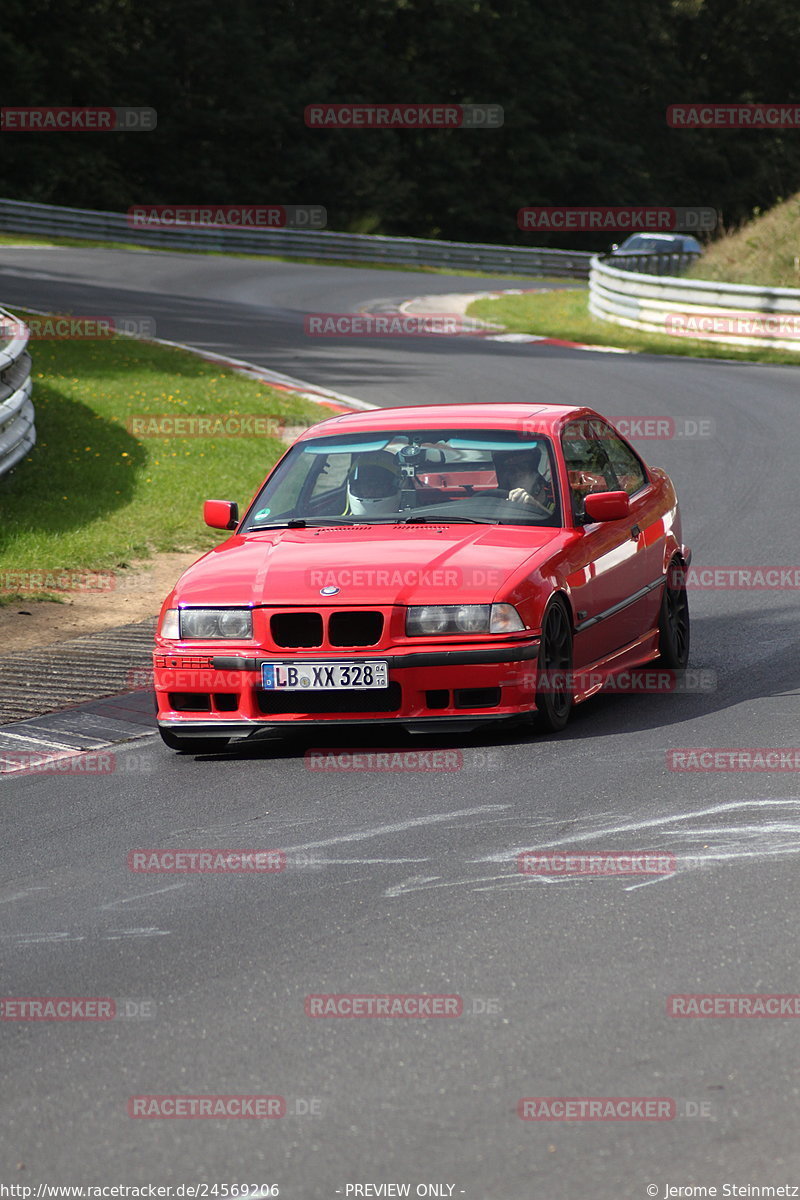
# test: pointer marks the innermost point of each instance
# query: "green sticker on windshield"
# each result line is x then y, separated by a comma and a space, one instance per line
262, 512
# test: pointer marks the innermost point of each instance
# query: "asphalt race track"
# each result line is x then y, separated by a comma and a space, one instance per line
407, 882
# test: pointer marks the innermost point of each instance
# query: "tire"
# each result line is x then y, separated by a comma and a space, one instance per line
554, 704
673, 619
193, 745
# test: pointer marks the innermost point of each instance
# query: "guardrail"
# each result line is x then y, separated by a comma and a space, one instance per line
737, 314
670, 263
51, 220
17, 429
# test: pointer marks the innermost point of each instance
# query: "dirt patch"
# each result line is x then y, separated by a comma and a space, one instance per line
138, 593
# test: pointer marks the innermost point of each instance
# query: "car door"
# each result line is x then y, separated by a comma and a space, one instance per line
647, 524
606, 570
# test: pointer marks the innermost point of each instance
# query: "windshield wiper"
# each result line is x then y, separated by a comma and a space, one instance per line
303, 523
444, 521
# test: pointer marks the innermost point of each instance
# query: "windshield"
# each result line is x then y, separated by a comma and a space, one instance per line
437, 475
651, 245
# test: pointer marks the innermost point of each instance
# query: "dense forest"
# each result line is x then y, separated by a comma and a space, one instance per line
584, 87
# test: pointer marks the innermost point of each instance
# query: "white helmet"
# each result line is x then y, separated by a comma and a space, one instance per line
374, 484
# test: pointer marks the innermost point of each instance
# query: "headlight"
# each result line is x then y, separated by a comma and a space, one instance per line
236, 623
232, 624
471, 618
505, 619
169, 626
428, 620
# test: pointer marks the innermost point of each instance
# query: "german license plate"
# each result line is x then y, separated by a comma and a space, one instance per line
323, 676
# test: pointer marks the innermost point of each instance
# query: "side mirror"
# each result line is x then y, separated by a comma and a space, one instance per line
607, 506
221, 514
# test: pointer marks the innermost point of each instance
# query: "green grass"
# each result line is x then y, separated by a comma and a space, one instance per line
565, 314
34, 239
24, 239
12, 599
90, 494
764, 252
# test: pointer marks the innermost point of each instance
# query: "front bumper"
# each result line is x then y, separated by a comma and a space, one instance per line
221, 694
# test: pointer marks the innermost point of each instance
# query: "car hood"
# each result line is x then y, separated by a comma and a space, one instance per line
369, 564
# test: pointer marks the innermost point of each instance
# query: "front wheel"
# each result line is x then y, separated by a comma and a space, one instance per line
193, 745
554, 698
673, 620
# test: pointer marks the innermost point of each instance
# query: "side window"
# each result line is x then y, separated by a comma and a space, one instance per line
627, 467
588, 466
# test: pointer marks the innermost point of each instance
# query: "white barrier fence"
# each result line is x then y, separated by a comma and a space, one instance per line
17, 429
737, 314
50, 220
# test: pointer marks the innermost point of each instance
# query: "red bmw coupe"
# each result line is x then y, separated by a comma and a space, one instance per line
435, 567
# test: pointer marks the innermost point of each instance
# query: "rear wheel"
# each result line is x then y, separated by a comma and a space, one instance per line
554, 700
673, 620
192, 745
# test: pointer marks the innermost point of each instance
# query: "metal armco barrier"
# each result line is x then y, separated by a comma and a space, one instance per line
674, 263
653, 302
49, 220
17, 430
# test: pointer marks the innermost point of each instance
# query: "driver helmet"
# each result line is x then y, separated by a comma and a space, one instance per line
374, 484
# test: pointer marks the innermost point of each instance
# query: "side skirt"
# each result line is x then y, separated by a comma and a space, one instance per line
591, 678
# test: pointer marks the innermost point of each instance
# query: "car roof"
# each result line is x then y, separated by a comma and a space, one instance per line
515, 416
663, 237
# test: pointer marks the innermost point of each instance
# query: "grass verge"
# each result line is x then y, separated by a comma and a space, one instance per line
765, 251
565, 314
14, 599
92, 495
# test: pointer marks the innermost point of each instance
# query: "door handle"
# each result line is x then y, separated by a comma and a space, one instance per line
636, 533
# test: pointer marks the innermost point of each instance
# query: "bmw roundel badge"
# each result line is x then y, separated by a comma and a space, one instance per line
330, 590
